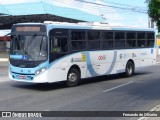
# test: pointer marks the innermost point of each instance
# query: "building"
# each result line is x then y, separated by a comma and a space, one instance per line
40, 12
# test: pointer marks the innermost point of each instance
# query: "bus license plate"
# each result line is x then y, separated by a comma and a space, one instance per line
22, 77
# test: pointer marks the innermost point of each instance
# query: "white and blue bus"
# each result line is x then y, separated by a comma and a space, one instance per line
52, 52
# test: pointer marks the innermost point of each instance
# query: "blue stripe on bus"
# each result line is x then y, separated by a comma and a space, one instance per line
113, 63
91, 69
89, 65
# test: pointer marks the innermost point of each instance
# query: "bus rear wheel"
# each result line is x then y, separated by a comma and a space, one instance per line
73, 77
129, 71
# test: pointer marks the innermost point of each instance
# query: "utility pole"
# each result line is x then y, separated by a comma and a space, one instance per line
149, 25
152, 23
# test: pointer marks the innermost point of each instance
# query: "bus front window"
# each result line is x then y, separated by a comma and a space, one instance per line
34, 48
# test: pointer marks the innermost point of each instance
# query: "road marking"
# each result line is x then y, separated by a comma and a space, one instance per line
3, 59
157, 108
118, 86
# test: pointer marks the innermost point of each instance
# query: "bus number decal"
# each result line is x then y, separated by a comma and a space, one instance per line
103, 57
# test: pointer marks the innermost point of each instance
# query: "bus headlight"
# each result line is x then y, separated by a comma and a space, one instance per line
40, 71
37, 72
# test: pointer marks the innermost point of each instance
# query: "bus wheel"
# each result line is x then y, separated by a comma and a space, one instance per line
73, 77
129, 71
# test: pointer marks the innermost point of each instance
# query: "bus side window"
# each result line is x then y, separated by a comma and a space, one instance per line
141, 40
150, 39
93, 40
120, 40
59, 44
78, 41
141, 43
64, 45
130, 40
107, 40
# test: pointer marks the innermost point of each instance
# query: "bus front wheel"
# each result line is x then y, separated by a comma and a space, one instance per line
73, 77
129, 71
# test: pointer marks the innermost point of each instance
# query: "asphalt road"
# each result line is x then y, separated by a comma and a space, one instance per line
108, 93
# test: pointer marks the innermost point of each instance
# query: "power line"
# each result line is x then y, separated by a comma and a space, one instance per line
116, 7
125, 5
108, 11
103, 8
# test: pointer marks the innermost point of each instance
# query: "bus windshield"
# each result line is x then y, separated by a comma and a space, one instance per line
31, 48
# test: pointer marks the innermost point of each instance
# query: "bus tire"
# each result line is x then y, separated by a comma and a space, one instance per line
129, 71
73, 77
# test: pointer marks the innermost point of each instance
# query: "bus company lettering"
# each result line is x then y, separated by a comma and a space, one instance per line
134, 55
76, 60
124, 56
144, 53
102, 57
152, 51
82, 59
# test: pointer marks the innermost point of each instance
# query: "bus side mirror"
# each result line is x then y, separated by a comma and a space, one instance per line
5, 39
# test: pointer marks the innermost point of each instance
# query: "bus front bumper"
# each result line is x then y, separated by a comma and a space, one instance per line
41, 78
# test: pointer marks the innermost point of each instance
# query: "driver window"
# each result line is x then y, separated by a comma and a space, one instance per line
59, 45
56, 48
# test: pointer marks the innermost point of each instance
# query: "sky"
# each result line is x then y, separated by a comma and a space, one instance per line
117, 12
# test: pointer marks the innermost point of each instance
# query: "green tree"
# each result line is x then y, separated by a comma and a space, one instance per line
154, 11
158, 36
